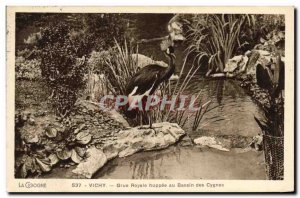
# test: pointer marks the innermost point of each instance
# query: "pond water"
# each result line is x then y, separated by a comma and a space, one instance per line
232, 109
179, 162
233, 115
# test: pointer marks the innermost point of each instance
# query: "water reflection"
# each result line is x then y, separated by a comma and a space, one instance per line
185, 163
232, 110
141, 165
220, 87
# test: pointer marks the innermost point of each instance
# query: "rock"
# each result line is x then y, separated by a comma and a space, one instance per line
92, 164
94, 107
85, 105
210, 142
217, 75
117, 117
128, 142
142, 138
31, 139
251, 67
110, 151
257, 142
232, 63
174, 77
237, 62
224, 142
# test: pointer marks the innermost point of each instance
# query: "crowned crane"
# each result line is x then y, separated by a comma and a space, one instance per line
146, 81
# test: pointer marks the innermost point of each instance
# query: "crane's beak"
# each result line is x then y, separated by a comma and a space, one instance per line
173, 55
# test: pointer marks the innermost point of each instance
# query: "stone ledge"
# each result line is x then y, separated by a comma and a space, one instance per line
128, 142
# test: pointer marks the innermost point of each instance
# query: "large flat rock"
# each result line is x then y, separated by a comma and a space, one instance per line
128, 142
95, 160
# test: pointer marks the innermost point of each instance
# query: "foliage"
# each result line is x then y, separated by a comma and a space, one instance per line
27, 69
215, 37
25, 19
119, 67
104, 28
98, 27
264, 24
109, 70
57, 144
97, 59
62, 63
262, 28
273, 123
96, 85
63, 45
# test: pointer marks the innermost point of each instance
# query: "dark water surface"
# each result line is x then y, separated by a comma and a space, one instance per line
232, 109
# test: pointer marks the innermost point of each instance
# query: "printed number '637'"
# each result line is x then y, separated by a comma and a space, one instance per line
76, 185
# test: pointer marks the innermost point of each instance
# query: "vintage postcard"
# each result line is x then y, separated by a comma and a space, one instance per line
150, 99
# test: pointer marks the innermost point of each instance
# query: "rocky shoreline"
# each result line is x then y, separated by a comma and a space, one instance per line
87, 139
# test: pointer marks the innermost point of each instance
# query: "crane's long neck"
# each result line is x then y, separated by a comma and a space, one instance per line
171, 68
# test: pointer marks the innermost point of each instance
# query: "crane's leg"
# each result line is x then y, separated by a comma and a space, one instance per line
141, 118
150, 119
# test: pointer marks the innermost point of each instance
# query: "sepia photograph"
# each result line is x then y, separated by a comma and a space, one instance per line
157, 96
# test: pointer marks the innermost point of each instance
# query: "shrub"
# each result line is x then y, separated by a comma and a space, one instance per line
104, 28
62, 64
65, 47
